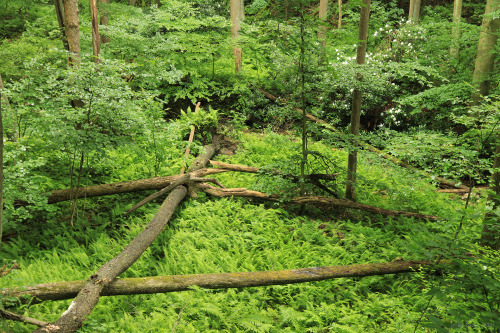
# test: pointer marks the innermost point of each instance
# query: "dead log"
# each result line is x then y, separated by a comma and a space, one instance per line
371, 148
156, 183
172, 283
82, 306
313, 200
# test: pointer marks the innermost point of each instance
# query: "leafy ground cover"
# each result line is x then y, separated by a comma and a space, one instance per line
210, 235
416, 106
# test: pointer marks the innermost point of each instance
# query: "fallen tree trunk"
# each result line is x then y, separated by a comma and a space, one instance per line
156, 183
243, 192
82, 306
171, 283
372, 148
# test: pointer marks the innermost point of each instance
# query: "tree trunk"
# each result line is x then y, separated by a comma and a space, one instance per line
410, 11
96, 42
81, 307
59, 6
373, 149
156, 183
132, 2
12, 130
104, 21
356, 101
490, 236
455, 32
323, 10
485, 59
235, 9
312, 200
416, 11
172, 283
339, 23
1, 168
72, 29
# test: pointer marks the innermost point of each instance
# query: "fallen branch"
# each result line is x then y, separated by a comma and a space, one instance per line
156, 183
458, 190
180, 181
243, 192
171, 283
17, 317
82, 306
191, 136
370, 147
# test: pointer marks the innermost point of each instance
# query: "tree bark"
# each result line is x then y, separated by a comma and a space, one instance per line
410, 11
59, 6
490, 235
81, 307
356, 102
455, 31
1, 167
323, 10
339, 23
105, 21
235, 10
313, 200
12, 129
372, 148
96, 42
72, 29
416, 11
485, 59
172, 283
156, 183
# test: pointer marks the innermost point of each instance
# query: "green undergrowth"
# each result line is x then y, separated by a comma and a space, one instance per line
212, 235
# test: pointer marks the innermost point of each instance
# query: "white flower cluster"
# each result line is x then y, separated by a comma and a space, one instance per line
392, 116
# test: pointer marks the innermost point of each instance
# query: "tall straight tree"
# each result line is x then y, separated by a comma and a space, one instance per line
323, 10
339, 23
96, 42
455, 31
490, 236
236, 16
485, 62
414, 11
1, 168
485, 59
72, 29
356, 101
59, 6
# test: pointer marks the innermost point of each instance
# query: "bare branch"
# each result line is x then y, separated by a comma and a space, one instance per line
314, 200
17, 317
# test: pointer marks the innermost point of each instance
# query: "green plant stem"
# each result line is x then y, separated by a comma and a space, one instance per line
303, 101
1, 169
